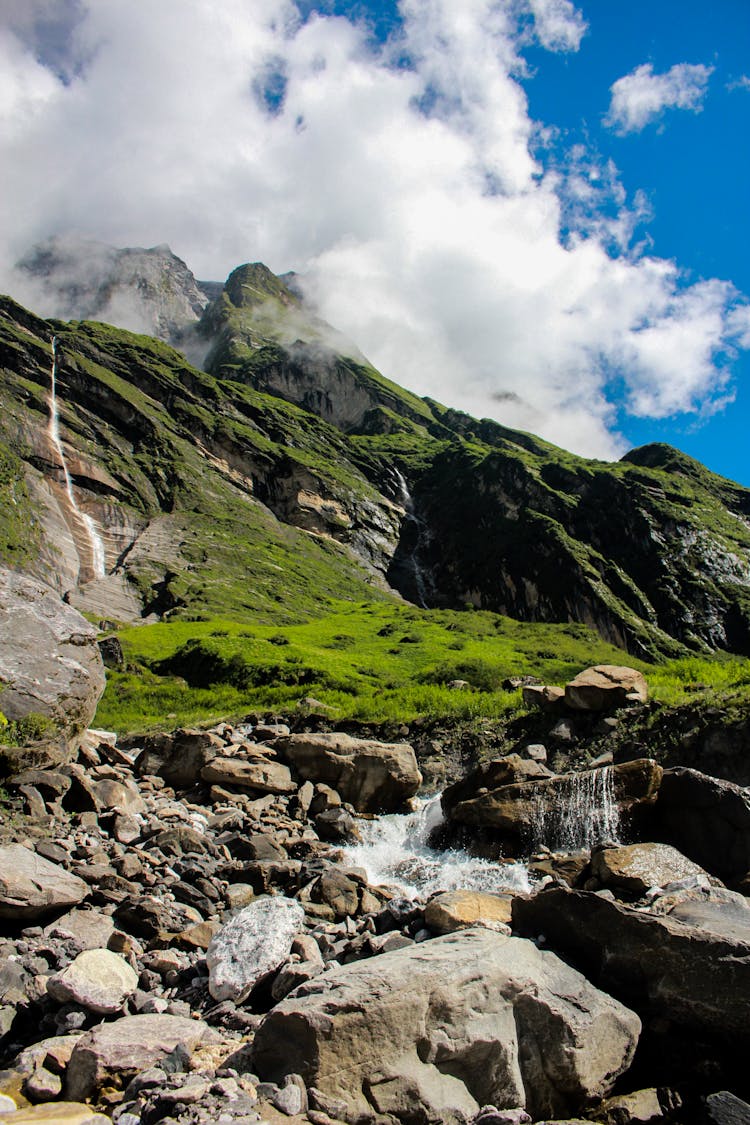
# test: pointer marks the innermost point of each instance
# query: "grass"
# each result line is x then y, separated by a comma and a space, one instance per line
369, 661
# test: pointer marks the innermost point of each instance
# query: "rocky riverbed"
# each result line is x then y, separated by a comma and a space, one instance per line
191, 934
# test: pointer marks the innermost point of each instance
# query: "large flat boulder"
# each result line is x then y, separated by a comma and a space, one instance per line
32, 887
692, 976
635, 868
442, 1028
372, 776
50, 663
113, 1053
260, 774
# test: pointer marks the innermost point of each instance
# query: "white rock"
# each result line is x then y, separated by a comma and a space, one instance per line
251, 945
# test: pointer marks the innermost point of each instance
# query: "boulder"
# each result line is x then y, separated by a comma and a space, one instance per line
659, 965
637, 867
260, 774
112, 1053
31, 887
251, 945
546, 697
605, 687
572, 811
178, 757
510, 770
439, 1029
372, 776
707, 819
97, 980
457, 910
49, 660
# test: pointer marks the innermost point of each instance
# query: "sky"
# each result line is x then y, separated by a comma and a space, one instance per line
531, 210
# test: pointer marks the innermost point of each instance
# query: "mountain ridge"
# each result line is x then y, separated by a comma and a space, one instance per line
293, 431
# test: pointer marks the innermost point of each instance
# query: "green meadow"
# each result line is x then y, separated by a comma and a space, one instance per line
373, 662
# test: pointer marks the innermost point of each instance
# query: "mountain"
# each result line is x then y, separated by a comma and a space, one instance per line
285, 471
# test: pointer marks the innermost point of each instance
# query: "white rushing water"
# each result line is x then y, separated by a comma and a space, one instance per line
91, 531
585, 813
395, 852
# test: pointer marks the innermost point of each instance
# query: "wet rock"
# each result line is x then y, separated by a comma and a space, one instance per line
49, 660
259, 774
605, 687
112, 1053
457, 910
97, 979
252, 945
560, 812
372, 776
436, 1030
637, 867
31, 887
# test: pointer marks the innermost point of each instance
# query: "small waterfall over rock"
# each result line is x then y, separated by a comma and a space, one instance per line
584, 814
84, 526
421, 578
395, 851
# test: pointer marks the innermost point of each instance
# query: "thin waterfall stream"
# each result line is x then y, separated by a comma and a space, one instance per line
85, 521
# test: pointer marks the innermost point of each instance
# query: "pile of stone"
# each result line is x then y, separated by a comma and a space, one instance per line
184, 942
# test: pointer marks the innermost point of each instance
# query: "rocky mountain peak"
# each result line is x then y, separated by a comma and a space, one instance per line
146, 290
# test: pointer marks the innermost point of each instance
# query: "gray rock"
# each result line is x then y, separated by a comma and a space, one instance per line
178, 757
635, 868
448, 1026
372, 776
696, 979
31, 887
112, 1053
97, 979
260, 774
49, 660
251, 945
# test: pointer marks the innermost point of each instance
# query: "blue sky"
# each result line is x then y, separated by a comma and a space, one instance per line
529, 209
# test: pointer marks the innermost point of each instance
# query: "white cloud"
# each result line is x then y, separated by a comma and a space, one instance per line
559, 25
642, 96
407, 196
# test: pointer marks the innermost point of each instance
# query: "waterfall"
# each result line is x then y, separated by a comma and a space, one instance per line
86, 522
584, 813
395, 852
405, 499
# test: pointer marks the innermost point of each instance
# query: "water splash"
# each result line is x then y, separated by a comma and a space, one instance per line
583, 814
91, 532
395, 852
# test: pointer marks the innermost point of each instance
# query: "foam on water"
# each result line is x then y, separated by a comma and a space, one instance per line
395, 852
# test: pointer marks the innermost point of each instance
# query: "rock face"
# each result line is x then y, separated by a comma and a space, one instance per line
32, 887
605, 687
567, 812
113, 1052
49, 660
691, 976
251, 945
708, 820
463, 1021
372, 776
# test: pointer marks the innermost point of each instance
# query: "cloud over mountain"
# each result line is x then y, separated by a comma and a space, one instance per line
399, 179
